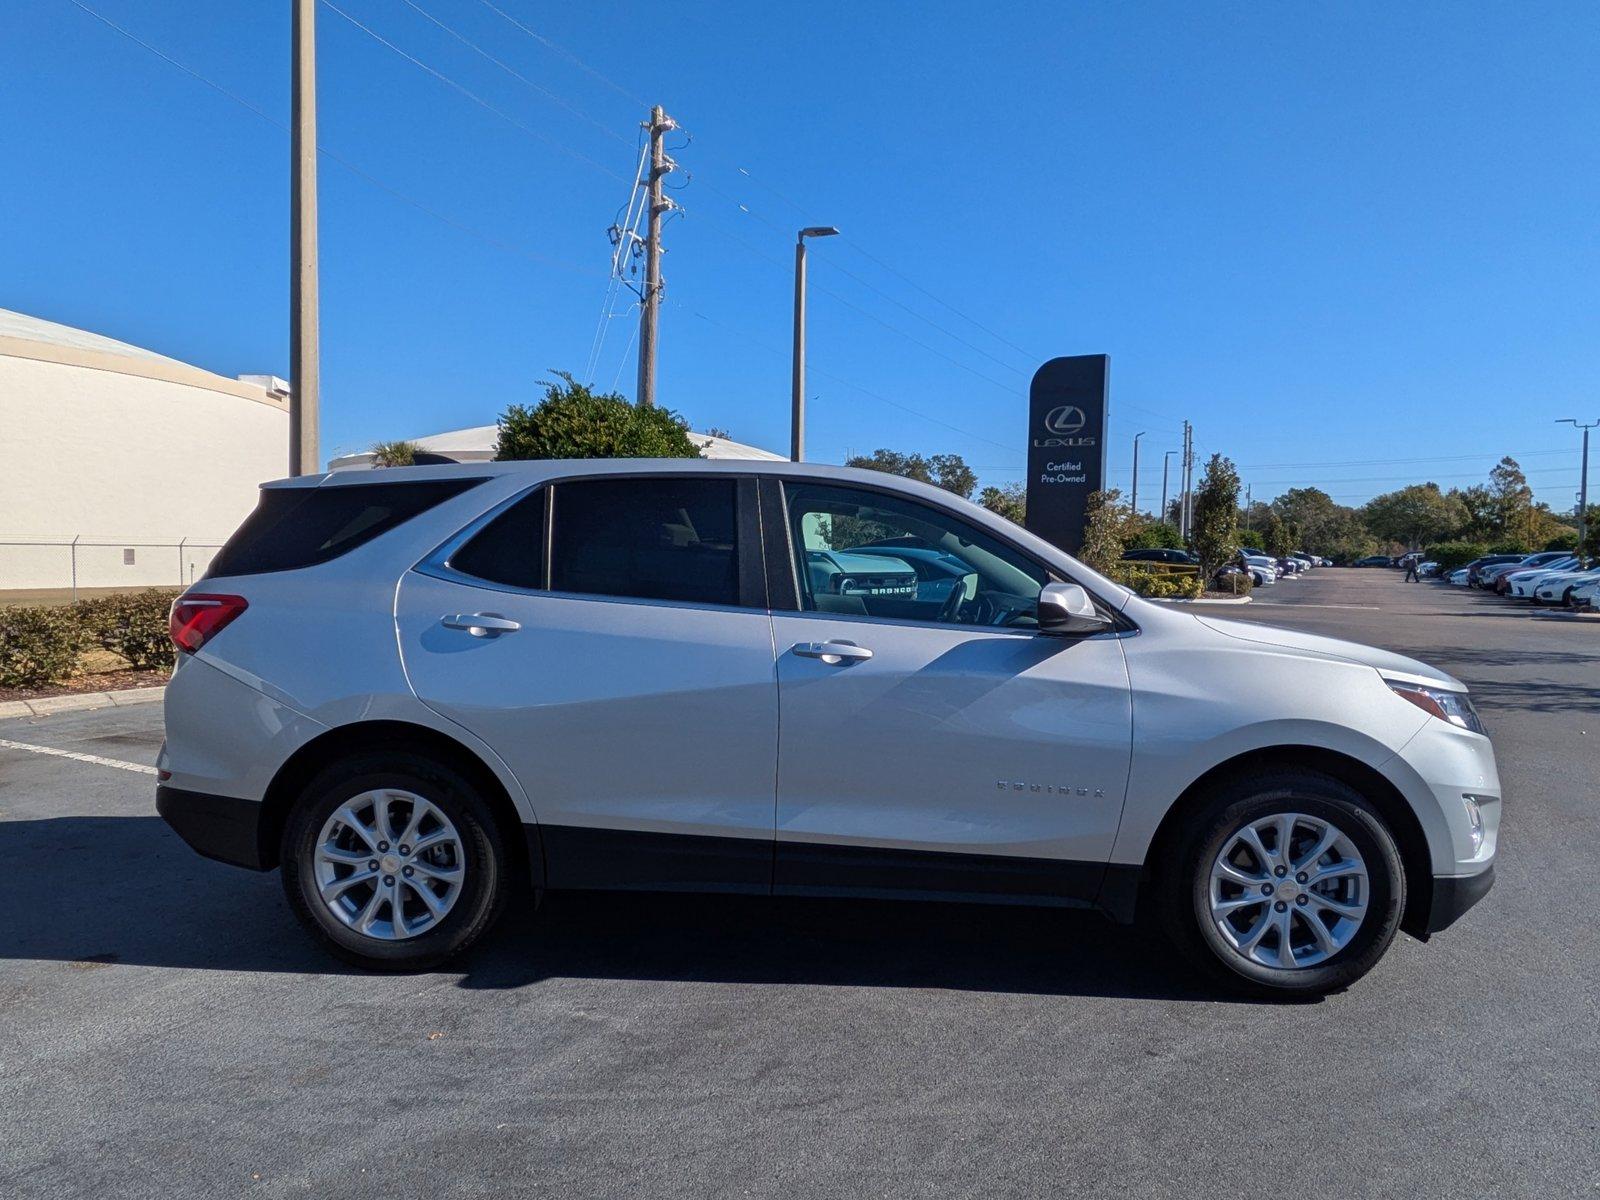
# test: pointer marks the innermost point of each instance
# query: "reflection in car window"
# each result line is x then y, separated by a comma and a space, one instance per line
510, 549
656, 538
873, 554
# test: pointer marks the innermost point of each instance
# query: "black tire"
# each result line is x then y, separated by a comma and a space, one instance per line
1183, 880
487, 865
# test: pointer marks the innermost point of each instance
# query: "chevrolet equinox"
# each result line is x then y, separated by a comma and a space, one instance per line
425, 692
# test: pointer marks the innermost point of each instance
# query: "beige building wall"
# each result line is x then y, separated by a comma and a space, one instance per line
131, 454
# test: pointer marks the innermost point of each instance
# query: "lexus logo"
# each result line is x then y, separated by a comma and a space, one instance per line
1065, 421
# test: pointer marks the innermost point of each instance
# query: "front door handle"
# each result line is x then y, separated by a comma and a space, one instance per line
832, 653
481, 624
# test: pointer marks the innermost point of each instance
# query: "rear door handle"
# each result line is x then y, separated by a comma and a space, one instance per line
832, 653
481, 624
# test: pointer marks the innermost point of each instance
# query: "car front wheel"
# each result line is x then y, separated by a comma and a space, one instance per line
393, 861
1288, 883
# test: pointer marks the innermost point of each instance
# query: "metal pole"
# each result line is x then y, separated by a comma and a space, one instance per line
75, 538
650, 306
304, 342
180, 561
797, 381
1166, 460
1583, 480
1583, 497
1134, 502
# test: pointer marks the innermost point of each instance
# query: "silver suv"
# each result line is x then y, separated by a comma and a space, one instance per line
426, 692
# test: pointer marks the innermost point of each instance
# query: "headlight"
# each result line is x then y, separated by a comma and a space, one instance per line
1454, 707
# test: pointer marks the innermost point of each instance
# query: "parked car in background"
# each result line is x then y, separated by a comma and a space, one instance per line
1496, 579
1520, 585
847, 573
1497, 565
1585, 594
1263, 571
1374, 560
1477, 567
449, 689
1160, 555
1427, 570
1557, 587
1457, 578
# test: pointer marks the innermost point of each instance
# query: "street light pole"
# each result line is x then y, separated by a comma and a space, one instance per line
1166, 461
1583, 481
797, 395
1134, 502
304, 341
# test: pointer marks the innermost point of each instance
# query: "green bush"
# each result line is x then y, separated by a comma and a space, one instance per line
134, 626
573, 422
1156, 585
1235, 585
1450, 555
39, 646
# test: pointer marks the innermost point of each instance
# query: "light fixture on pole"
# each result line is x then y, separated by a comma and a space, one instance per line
797, 394
1583, 481
1133, 502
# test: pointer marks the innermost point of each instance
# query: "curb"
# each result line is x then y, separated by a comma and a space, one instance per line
45, 706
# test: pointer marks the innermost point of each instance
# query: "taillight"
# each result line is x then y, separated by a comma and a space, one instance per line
196, 619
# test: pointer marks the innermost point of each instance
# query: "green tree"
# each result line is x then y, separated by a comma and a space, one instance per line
394, 454
1152, 535
1413, 516
948, 471
1215, 529
1480, 522
1104, 527
1009, 500
1510, 497
574, 422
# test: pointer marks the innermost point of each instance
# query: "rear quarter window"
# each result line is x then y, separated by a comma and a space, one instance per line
301, 527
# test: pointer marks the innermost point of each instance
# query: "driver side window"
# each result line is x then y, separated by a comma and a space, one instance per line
867, 553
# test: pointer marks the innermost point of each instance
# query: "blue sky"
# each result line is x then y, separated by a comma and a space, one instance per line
1334, 237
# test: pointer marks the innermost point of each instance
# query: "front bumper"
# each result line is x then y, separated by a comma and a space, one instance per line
220, 827
1453, 895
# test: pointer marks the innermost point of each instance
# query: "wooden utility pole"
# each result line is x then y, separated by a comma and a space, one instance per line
304, 347
656, 206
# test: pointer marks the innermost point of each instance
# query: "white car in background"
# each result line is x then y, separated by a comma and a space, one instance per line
1580, 590
1263, 571
1457, 578
1520, 585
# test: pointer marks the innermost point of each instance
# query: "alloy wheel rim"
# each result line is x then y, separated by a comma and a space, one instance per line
389, 864
1288, 891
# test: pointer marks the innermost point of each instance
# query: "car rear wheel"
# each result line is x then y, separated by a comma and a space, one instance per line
393, 861
1287, 883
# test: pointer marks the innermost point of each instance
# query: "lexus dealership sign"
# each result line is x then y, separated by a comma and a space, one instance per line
1066, 445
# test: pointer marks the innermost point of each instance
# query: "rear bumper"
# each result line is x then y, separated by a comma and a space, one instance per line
220, 827
1453, 895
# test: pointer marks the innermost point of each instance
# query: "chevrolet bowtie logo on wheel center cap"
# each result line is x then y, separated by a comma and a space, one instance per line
390, 863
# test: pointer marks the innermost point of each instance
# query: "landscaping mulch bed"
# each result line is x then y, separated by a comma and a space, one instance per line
95, 681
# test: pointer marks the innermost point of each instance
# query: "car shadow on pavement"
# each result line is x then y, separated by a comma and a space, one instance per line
125, 890
838, 943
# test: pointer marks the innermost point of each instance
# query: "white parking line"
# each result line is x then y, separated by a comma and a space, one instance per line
75, 756
1291, 604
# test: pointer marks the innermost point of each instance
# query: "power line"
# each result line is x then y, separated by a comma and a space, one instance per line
333, 156
516, 74
568, 55
471, 95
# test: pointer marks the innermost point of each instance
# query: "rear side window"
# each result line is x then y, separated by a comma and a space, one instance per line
300, 527
655, 538
510, 548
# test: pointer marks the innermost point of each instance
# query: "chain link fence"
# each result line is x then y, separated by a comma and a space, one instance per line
56, 572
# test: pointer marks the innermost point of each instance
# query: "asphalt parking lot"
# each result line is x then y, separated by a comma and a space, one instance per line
169, 1031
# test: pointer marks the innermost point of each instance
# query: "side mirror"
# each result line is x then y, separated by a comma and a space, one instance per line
1065, 610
